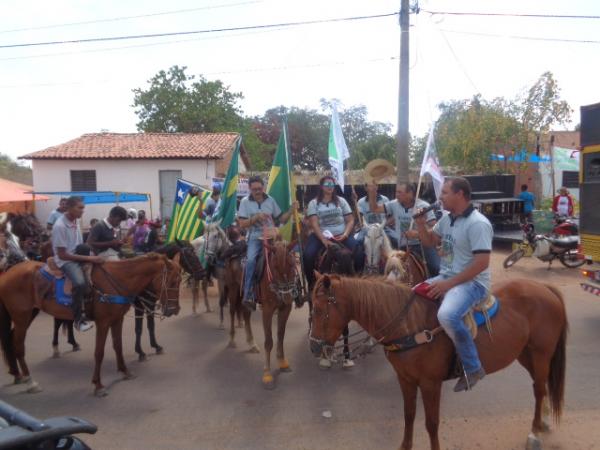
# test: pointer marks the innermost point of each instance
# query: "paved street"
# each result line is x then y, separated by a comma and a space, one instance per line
202, 395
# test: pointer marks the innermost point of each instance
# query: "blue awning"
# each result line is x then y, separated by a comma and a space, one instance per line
90, 198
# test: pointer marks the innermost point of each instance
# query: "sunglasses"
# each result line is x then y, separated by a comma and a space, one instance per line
328, 184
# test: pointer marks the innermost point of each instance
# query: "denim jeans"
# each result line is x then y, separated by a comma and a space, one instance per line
255, 247
432, 259
314, 245
456, 304
74, 272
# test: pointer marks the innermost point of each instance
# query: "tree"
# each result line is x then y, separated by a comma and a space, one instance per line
176, 102
11, 170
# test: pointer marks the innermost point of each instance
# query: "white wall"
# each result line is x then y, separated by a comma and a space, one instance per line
115, 175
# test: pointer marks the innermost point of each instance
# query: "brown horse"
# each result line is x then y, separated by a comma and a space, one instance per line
530, 326
278, 289
24, 292
405, 267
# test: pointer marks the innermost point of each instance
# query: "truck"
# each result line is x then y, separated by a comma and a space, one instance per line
589, 192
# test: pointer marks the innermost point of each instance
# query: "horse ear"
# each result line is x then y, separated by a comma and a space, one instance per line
317, 274
326, 281
176, 258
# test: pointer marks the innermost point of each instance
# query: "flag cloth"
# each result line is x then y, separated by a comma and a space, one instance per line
228, 201
431, 164
337, 149
185, 223
281, 184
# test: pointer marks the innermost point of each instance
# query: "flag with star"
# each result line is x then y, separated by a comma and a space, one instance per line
225, 213
185, 224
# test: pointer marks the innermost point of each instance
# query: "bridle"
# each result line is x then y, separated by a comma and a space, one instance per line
371, 265
281, 288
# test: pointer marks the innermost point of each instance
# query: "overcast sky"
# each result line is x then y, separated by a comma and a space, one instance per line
51, 94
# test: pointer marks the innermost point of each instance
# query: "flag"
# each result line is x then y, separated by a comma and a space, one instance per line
281, 184
185, 223
225, 212
431, 164
337, 149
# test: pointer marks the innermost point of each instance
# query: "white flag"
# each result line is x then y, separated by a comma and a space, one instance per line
337, 149
431, 164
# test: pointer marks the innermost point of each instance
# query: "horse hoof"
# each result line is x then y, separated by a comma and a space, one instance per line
102, 392
324, 364
55, 353
221, 326
142, 357
254, 349
22, 380
76, 348
348, 364
533, 442
545, 426
284, 366
159, 350
268, 381
129, 376
33, 388
194, 314
232, 344
240, 325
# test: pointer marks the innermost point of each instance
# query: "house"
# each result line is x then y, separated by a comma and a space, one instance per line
146, 163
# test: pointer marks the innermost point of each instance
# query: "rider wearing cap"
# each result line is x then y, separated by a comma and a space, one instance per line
465, 236
256, 211
207, 210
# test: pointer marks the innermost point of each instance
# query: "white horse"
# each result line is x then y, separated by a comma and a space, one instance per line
377, 248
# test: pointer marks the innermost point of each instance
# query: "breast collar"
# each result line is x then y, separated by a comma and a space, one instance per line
466, 213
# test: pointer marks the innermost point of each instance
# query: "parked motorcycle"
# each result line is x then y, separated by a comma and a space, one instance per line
547, 248
563, 226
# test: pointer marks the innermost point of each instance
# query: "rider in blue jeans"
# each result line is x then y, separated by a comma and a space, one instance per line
465, 236
256, 211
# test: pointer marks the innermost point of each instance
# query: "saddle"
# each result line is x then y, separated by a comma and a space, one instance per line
480, 314
63, 287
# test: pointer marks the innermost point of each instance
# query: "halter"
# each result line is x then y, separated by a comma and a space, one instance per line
281, 288
373, 269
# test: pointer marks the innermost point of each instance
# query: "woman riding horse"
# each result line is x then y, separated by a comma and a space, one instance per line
331, 220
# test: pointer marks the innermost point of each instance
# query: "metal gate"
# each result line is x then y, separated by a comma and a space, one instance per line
168, 186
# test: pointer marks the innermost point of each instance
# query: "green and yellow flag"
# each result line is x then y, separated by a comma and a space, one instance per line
226, 209
281, 184
185, 223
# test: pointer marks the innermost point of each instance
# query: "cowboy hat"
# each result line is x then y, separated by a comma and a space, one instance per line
377, 170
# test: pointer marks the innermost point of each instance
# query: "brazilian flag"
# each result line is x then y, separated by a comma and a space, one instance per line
281, 184
225, 213
185, 223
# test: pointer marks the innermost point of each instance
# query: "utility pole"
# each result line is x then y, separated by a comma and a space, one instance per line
402, 137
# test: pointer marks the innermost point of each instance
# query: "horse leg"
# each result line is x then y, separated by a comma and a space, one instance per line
539, 374
252, 347
101, 334
195, 296
222, 301
116, 332
348, 363
267, 319
233, 305
71, 336
139, 326
409, 395
205, 293
431, 391
150, 325
55, 351
282, 318
19, 333
240, 323
7, 343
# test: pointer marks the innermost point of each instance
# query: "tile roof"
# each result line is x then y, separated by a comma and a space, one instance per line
141, 146
11, 191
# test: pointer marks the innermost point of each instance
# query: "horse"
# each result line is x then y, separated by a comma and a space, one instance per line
144, 305
377, 248
32, 236
530, 326
405, 267
24, 291
277, 290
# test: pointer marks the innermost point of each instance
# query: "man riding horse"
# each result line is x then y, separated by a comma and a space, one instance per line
256, 211
103, 237
465, 236
66, 238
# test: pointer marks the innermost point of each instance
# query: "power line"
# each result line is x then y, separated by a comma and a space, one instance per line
116, 19
529, 38
214, 30
539, 16
459, 62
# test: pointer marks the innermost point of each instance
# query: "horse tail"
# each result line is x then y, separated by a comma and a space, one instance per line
556, 378
6, 341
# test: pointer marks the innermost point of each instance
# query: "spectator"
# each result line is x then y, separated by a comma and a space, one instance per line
562, 205
54, 215
528, 201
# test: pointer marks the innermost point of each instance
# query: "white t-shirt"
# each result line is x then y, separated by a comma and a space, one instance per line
331, 216
403, 217
562, 207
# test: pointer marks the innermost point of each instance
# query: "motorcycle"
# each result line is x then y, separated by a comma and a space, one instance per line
565, 227
547, 248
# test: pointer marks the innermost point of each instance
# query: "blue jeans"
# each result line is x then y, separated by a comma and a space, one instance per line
74, 272
255, 247
313, 247
455, 305
432, 259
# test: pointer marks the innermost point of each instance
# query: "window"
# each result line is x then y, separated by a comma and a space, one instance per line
83, 180
570, 179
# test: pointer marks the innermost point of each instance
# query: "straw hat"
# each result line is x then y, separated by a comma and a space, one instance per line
377, 170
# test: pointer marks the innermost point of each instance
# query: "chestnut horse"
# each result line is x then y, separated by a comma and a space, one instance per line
530, 326
24, 291
278, 289
405, 267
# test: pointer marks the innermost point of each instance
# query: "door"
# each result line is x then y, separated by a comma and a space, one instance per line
168, 186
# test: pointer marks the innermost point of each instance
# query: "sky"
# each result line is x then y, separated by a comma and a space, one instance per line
55, 93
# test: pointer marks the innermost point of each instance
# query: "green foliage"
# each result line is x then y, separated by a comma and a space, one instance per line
13, 171
543, 107
176, 102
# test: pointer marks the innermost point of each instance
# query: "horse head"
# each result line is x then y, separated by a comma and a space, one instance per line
377, 247
329, 317
215, 242
166, 284
189, 259
395, 267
